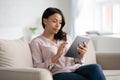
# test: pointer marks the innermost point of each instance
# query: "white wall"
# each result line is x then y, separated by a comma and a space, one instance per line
15, 15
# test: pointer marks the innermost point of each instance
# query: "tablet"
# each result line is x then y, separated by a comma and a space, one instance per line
72, 51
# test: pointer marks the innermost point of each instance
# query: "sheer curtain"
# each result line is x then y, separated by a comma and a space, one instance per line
95, 15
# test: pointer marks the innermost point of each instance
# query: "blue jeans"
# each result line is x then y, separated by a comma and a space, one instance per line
87, 72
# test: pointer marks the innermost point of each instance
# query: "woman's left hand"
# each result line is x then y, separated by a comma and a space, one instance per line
82, 49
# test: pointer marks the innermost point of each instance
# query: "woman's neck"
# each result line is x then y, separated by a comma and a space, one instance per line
49, 36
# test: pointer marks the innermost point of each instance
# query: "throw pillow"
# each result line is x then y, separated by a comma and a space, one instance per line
15, 53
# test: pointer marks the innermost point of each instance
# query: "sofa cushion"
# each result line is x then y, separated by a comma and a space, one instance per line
15, 53
90, 56
111, 59
112, 74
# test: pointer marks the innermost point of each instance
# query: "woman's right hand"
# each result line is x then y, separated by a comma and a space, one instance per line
59, 52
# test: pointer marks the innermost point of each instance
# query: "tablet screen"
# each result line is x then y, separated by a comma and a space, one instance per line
72, 51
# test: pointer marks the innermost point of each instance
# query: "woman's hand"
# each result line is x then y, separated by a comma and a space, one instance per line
59, 52
83, 49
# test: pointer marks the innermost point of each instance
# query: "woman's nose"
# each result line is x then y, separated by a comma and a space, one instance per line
57, 24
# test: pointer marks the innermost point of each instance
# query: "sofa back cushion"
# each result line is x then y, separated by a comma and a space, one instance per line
15, 53
90, 56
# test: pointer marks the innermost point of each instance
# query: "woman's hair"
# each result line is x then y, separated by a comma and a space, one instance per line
47, 13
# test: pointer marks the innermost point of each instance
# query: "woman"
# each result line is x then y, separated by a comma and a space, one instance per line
49, 48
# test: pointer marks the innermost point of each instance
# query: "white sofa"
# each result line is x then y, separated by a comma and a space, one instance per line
110, 62
16, 62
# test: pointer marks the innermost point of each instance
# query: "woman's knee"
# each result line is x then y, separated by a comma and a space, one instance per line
89, 68
95, 66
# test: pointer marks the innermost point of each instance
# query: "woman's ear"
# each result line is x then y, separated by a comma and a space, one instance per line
44, 21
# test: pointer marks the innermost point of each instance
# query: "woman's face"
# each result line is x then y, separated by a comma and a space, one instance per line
53, 23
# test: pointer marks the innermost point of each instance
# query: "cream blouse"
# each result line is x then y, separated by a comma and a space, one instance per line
43, 50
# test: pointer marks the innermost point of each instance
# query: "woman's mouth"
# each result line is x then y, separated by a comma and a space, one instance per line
56, 30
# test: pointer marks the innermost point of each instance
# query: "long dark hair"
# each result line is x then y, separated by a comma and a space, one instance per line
47, 13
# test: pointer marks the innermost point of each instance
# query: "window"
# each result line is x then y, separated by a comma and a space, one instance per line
97, 15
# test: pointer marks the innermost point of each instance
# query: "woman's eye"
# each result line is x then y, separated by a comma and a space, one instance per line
54, 21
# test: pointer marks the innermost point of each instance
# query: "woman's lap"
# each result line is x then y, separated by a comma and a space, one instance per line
68, 76
87, 72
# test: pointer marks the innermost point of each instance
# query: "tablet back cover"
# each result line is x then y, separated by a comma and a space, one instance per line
72, 51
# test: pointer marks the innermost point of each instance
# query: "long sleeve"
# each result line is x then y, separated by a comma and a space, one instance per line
37, 56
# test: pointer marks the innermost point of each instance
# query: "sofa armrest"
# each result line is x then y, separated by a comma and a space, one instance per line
24, 74
109, 61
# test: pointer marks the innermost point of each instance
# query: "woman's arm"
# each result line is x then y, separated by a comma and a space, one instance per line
36, 52
59, 52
